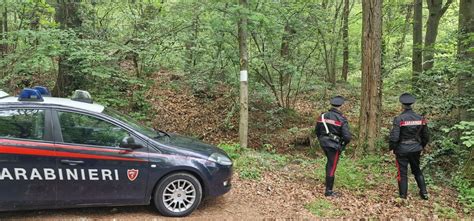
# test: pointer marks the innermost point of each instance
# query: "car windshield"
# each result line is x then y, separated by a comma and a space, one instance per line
131, 122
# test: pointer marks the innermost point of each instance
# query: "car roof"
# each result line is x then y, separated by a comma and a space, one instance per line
55, 101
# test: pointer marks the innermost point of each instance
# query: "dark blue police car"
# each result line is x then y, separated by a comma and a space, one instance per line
62, 153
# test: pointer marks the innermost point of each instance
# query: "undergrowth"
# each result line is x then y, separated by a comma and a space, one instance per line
324, 208
250, 164
360, 174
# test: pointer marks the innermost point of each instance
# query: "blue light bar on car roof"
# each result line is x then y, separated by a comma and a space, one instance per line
29, 94
42, 90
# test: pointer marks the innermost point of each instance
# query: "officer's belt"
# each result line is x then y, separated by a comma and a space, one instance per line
411, 141
333, 137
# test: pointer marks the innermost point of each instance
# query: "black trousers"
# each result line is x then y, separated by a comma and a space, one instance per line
412, 159
332, 156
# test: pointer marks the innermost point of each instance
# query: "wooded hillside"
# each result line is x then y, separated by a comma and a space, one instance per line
177, 65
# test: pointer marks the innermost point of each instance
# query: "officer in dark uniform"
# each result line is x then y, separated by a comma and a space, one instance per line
408, 138
333, 134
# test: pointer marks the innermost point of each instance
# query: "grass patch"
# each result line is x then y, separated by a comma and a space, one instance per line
368, 172
445, 212
361, 174
324, 208
250, 164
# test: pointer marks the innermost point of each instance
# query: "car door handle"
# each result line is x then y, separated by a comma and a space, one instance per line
72, 162
123, 150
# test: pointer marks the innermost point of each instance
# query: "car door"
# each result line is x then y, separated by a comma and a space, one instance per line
27, 159
93, 168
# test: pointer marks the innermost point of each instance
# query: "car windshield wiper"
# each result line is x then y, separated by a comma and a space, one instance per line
162, 133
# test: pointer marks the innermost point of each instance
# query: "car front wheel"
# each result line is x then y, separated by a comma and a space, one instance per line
178, 195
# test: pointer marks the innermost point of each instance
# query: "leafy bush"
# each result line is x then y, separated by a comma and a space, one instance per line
466, 193
250, 164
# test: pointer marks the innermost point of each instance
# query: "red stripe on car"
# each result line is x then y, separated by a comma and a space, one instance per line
64, 146
38, 152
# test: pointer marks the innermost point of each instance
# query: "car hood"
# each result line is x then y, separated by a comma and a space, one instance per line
189, 145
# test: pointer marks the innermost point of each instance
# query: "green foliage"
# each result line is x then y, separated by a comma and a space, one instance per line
467, 132
250, 164
324, 208
445, 212
294, 47
466, 192
366, 173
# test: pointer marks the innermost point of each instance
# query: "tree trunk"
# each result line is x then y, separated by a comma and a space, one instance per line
401, 43
369, 120
67, 15
417, 56
285, 41
285, 53
191, 44
244, 64
345, 37
330, 39
436, 11
466, 56
4, 29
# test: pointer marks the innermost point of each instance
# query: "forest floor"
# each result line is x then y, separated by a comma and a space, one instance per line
281, 194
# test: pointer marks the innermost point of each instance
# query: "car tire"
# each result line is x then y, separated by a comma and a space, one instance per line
177, 195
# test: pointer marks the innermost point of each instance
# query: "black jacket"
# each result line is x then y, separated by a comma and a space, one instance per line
409, 132
337, 125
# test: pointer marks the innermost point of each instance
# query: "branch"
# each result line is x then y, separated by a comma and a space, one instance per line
445, 7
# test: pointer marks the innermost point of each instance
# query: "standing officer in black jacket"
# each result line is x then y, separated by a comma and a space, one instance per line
333, 134
408, 138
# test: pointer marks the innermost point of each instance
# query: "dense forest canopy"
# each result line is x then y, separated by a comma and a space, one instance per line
300, 53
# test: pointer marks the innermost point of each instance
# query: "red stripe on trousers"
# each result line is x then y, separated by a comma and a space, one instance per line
399, 178
334, 164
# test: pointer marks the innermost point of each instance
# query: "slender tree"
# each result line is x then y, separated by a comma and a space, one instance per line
466, 55
3, 28
67, 15
345, 37
244, 64
417, 56
329, 37
436, 11
369, 120
406, 27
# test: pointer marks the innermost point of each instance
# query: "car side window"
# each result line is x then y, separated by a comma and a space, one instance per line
84, 129
22, 123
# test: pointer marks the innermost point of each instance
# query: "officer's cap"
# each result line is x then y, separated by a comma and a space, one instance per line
407, 99
337, 101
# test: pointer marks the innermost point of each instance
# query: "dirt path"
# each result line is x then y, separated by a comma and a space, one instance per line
246, 199
278, 194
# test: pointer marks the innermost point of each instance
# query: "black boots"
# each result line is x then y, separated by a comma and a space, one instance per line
329, 185
403, 188
420, 180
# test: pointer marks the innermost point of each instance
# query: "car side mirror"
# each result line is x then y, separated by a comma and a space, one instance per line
129, 142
